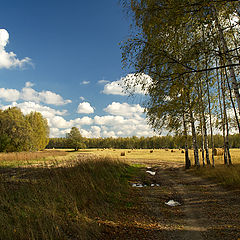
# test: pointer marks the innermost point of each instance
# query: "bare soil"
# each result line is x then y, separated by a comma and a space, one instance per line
207, 210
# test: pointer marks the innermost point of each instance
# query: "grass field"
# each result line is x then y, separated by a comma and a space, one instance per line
60, 201
16, 159
226, 175
152, 156
63, 194
147, 156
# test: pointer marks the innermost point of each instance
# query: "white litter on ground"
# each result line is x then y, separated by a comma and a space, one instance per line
141, 185
152, 173
148, 167
172, 203
137, 185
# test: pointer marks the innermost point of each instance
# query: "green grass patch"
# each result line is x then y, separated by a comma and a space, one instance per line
62, 202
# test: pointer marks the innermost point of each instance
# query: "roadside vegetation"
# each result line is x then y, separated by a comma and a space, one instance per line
64, 201
228, 176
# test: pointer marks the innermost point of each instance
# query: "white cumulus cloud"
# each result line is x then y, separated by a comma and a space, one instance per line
9, 95
109, 120
124, 109
114, 88
137, 83
29, 94
28, 107
82, 121
52, 98
85, 107
56, 132
95, 131
9, 59
59, 122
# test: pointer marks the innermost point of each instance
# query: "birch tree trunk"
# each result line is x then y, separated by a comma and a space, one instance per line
202, 141
210, 121
187, 160
194, 136
227, 156
205, 139
222, 116
203, 125
229, 61
223, 87
231, 98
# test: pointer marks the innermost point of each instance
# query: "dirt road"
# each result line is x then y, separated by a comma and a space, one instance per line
207, 211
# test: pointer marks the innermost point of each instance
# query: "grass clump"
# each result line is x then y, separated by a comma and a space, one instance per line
225, 175
61, 202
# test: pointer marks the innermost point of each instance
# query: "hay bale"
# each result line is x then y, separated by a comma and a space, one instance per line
218, 151
172, 151
166, 149
123, 154
151, 151
129, 151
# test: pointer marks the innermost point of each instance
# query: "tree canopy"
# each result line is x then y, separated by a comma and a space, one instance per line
190, 49
22, 133
75, 139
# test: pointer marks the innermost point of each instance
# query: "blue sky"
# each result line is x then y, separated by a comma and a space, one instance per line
63, 59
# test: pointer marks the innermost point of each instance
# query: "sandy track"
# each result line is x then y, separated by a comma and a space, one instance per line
207, 210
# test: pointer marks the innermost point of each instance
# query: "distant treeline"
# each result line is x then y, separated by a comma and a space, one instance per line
19, 132
142, 142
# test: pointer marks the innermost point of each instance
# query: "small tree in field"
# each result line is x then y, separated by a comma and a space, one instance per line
75, 139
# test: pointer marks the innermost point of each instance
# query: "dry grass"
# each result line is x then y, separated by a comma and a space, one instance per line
23, 156
66, 200
140, 155
158, 155
33, 158
61, 202
225, 175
